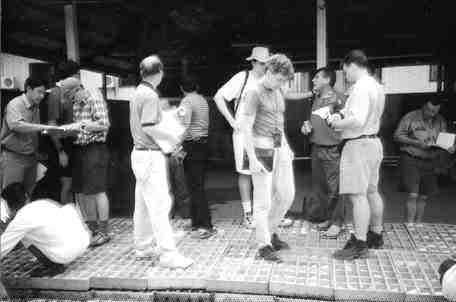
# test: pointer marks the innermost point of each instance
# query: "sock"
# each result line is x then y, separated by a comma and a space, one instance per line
378, 229
247, 207
93, 226
103, 227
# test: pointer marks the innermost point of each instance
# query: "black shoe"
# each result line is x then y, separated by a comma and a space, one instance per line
353, 249
278, 244
374, 240
48, 271
268, 254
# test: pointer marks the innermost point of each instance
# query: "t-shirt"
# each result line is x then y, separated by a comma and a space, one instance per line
144, 111
269, 108
365, 104
196, 116
57, 231
231, 89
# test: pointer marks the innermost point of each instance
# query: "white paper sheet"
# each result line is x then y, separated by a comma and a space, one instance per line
170, 124
445, 140
323, 112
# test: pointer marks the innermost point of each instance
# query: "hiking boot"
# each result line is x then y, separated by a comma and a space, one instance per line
278, 244
353, 249
374, 240
48, 271
268, 254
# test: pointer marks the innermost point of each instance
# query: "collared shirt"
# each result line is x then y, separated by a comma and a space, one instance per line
449, 284
19, 111
87, 108
414, 126
57, 231
145, 111
269, 108
196, 116
365, 104
322, 134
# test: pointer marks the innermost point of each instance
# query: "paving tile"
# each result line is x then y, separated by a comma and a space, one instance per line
406, 269
428, 238
417, 275
225, 297
373, 278
248, 275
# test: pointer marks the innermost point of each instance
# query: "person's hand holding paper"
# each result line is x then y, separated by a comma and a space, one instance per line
445, 141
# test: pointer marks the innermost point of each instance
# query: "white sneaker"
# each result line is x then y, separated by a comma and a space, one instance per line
175, 260
286, 222
147, 253
305, 229
179, 234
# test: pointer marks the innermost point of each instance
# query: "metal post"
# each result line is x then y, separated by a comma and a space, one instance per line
322, 51
71, 32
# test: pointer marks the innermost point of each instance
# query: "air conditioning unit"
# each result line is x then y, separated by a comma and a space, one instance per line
111, 82
8, 82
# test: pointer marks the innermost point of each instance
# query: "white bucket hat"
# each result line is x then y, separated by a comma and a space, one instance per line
259, 53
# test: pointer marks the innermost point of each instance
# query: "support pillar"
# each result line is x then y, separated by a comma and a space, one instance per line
322, 48
71, 32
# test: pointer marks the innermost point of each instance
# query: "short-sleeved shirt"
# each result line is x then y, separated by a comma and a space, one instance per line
231, 89
322, 134
413, 126
269, 107
87, 108
365, 104
145, 111
18, 110
196, 117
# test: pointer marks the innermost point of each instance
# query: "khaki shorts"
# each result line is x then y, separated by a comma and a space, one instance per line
360, 166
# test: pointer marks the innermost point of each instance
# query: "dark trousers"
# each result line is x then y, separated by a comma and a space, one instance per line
325, 204
195, 164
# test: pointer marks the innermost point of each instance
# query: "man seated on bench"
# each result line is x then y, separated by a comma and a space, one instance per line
54, 234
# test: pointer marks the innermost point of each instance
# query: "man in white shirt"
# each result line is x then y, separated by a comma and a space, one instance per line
361, 156
234, 91
55, 234
447, 271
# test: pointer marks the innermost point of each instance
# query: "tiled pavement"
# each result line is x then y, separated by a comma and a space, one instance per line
405, 270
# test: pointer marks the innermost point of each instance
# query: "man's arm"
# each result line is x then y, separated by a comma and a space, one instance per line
246, 122
186, 117
401, 135
289, 95
223, 108
356, 114
16, 122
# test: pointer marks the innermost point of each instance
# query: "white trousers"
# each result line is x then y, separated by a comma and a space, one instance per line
152, 202
273, 194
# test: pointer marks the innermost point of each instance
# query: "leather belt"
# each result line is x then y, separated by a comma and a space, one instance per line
363, 136
146, 149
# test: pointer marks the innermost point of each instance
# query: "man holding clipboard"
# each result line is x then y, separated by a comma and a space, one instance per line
419, 133
154, 135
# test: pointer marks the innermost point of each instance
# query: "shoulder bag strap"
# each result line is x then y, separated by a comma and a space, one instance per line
242, 90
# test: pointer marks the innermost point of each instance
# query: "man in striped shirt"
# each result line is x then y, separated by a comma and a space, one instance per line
90, 157
196, 120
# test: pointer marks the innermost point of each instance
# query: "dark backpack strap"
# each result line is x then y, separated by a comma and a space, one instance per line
242, 90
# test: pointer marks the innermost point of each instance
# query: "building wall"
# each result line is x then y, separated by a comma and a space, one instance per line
16, 66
